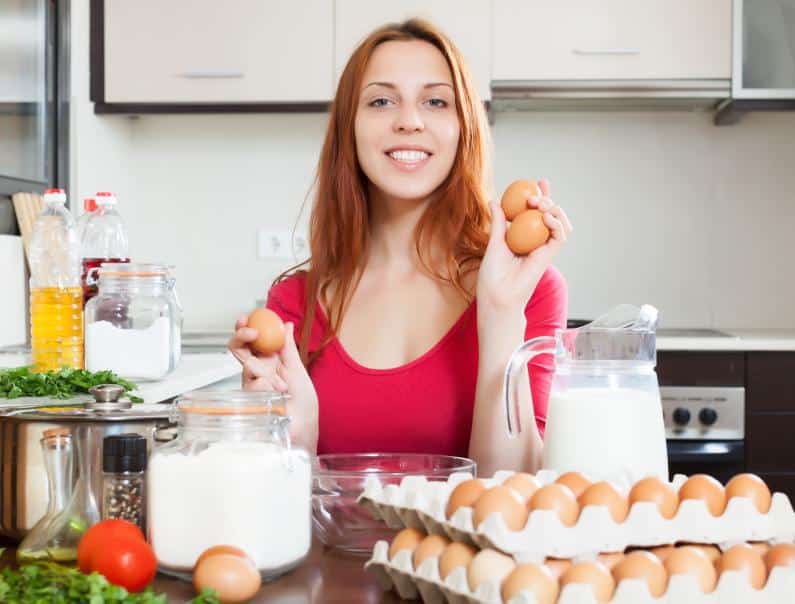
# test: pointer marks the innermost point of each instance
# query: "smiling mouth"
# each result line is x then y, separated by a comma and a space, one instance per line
409, 157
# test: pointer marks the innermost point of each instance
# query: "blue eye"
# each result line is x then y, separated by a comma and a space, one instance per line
380, 102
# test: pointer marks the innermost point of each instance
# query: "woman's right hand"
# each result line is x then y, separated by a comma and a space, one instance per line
279, 372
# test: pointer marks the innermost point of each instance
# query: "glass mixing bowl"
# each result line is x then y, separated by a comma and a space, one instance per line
338, 480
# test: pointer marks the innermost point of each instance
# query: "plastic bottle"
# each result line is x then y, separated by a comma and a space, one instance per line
56, 312
104, 240
89, 207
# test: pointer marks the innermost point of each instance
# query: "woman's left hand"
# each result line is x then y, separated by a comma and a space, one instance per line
506, 281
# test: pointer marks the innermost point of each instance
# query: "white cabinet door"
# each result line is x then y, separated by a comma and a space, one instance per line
206, 51
611, 39
467, 24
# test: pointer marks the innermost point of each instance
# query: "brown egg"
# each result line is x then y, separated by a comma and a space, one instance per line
655, 490
575, 481
604, 494
610, 559
742, 557
527, 232
782, 554
524, 484
752, 487
692, 561
594, 574
464, 495
514, 200
408, 538
662, 551
538, 580
706, 488
222, 549
454, 556
234, 579
643, 565
488, 565
430, 547
710, 551
557, 566
504, 501
558, 498
270, 331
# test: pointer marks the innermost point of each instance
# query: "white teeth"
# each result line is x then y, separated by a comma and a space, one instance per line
408, 156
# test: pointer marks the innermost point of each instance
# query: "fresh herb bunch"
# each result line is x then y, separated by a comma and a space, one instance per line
63, 384
49, 583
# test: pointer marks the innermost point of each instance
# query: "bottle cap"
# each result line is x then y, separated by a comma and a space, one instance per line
124, 453
105, 198
89, 204
54, 196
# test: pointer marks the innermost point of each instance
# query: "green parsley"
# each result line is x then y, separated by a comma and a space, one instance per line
63, 384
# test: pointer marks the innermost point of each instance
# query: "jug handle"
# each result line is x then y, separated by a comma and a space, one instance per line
519, 359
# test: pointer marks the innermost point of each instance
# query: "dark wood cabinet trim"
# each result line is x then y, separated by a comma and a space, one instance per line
138, 108
97, 51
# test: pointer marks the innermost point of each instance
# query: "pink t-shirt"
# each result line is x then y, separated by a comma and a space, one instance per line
426, 405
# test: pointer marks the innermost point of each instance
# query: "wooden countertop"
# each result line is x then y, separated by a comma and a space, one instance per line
325, 577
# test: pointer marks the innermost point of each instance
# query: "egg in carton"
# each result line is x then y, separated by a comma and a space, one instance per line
568, 529
492, 571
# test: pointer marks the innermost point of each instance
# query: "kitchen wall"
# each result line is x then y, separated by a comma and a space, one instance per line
667, 208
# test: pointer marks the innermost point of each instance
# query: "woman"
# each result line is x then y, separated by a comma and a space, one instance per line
400, 328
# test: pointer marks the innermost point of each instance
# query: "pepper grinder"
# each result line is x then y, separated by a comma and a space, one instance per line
123, 466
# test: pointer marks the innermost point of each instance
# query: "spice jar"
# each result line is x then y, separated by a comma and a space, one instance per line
123, 467
132, 324
231, 477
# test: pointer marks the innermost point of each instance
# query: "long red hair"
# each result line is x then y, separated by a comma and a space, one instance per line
457, 219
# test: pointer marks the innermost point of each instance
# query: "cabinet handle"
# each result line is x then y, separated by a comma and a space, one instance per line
211, 75
606, 51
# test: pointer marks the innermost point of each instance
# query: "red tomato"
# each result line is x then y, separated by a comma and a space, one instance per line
100, 536
128, 562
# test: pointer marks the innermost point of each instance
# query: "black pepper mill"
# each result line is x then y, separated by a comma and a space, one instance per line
124, 467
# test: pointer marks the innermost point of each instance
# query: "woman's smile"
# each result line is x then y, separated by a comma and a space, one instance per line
408, 157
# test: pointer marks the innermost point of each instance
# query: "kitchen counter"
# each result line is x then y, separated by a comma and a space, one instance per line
734, 339
325, 576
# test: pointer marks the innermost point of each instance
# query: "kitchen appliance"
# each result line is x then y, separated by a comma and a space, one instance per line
705, 428
604, 416
13, 322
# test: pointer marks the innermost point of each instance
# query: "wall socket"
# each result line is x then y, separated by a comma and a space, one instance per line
284, 245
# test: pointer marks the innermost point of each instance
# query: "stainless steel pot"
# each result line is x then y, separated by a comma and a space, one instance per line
23, 479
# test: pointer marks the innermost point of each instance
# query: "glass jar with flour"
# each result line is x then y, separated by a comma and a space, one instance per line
132, 323
231, 477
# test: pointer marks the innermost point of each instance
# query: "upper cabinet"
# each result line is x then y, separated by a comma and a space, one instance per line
210, 52
466, 23
612, 40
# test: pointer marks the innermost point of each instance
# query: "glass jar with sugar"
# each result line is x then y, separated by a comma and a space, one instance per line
231, 477
132, 324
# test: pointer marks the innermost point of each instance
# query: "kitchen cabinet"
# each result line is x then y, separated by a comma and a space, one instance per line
250, 55
467, 24
612, 39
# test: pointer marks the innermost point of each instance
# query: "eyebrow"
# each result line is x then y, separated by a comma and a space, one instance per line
391, 85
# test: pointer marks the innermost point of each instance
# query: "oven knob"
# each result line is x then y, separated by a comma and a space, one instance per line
681, 416
707, 416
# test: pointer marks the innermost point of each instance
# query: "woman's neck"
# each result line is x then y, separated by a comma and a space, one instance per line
392, 226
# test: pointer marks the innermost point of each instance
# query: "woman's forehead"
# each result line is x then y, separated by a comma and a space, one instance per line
409, 63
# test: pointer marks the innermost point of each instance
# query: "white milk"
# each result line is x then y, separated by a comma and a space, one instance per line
606, 433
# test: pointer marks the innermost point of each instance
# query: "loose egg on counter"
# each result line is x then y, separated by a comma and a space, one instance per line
743, 558
430, 547
751, 487
233, 578
557, 566
456, 554
538, 580
575, 481
514, 200
408, 538
559, 499
594, 574
782, 554
524, 484
270, 331
604, 494
221, 549
658, 492
527, 232
464, 495
707, 489
692, 561
643, 565
503, 501
488, 565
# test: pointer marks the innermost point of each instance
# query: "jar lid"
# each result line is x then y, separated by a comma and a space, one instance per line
232, 403
132, 270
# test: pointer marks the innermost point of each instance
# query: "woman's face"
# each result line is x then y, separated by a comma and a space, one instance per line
406, 123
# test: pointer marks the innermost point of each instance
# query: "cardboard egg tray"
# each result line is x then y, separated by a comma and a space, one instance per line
425, 583
420, 504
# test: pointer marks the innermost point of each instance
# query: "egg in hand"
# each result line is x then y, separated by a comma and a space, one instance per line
270, 331
527, 230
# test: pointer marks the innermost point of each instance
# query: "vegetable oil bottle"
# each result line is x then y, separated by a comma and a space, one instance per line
56, 298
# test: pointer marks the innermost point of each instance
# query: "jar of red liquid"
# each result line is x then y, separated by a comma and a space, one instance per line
104, 240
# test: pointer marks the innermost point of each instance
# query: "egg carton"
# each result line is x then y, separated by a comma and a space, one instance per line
425, 583
419, 503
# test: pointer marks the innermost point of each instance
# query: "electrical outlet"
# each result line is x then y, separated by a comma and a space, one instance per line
282, 245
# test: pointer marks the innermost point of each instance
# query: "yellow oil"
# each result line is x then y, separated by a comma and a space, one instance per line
56, 327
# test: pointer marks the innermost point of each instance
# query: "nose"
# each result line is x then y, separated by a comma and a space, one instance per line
408, 119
